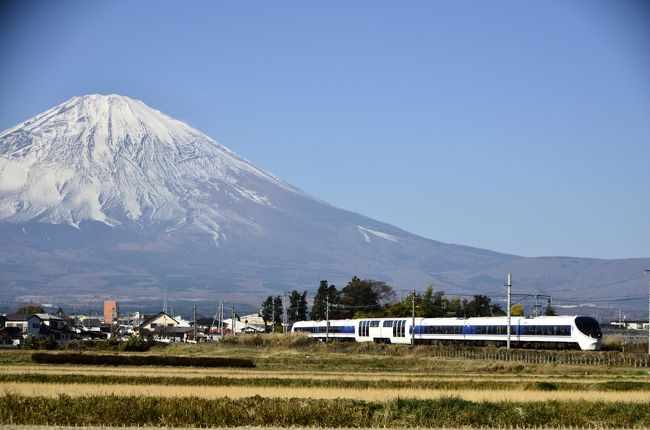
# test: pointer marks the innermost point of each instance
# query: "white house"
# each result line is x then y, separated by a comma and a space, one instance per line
29, 324
40, 325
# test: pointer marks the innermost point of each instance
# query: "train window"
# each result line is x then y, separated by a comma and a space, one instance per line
563, 330
589, 326
374, 323
364, 328
492, 329
348, 329
399, 328
547, 330
441, 329
388, 323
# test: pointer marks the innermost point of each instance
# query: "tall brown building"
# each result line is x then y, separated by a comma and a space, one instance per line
111, 310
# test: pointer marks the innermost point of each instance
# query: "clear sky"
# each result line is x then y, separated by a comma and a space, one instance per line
517, 126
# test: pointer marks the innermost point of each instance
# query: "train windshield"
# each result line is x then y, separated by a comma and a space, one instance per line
589, 326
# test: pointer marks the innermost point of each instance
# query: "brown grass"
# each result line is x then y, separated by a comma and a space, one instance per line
52, 390
323, 375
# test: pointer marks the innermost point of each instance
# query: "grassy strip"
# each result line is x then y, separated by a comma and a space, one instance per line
139, 360
258, 411
224, 381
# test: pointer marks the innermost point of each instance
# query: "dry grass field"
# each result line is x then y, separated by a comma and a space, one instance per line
375, 395
290, 374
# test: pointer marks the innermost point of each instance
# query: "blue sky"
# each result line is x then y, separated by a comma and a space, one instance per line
521, 127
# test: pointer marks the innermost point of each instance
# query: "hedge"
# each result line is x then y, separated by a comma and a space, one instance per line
139, 360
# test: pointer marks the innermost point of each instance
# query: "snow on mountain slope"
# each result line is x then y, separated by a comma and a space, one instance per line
113, 159
103, 195
364, 231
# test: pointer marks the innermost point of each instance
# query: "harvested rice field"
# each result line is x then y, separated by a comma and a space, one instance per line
375, 395
316, 389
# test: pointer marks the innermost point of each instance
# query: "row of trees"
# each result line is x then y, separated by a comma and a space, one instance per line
367, 298
297, 309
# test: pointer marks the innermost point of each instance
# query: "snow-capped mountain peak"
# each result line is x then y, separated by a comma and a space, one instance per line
113, 159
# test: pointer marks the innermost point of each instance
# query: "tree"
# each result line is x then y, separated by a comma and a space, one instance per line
297, 310
398, 309
517, 310
480, 306
30, 309
549, 311
364, 295
277, 303
267, 310
432, 305
272, 310
302, 307
326, 293
318, 308
454, 307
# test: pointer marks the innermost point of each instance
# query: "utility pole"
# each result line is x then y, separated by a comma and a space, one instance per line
284, 312
220, 318
509, 285
327, 318
413, 320
194, 318
647, 273
273, 314
233, 320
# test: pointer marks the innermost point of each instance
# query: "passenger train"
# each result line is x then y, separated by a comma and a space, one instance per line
539, 332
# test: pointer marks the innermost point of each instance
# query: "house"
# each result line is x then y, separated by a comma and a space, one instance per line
159, 323
90, 323
253, 323
40, 325
29, 324
630, 324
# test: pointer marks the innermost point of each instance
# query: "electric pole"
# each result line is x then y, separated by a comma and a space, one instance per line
273, 314
233, 320
647, 273
284, 313
221, 314
413, 320
194, 318
327, 318
509, 285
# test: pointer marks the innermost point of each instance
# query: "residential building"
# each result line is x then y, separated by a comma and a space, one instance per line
111, 311
40, 325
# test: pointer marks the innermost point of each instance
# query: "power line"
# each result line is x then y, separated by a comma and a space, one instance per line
601, 299
609, 284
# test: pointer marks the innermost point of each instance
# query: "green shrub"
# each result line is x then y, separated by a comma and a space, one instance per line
625, 386
139, 360
546, 386
31, 342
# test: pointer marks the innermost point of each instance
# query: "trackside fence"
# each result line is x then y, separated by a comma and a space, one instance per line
582, 358
542, 357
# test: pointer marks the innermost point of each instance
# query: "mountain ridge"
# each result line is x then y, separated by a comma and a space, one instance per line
179, 209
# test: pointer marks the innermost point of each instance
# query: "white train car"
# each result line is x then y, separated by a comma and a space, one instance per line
547, 332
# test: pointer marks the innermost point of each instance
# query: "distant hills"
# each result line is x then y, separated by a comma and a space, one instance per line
104, 197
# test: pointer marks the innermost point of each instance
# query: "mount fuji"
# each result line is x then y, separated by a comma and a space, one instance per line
104, 197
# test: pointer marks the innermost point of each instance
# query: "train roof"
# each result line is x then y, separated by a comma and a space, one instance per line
448, 320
